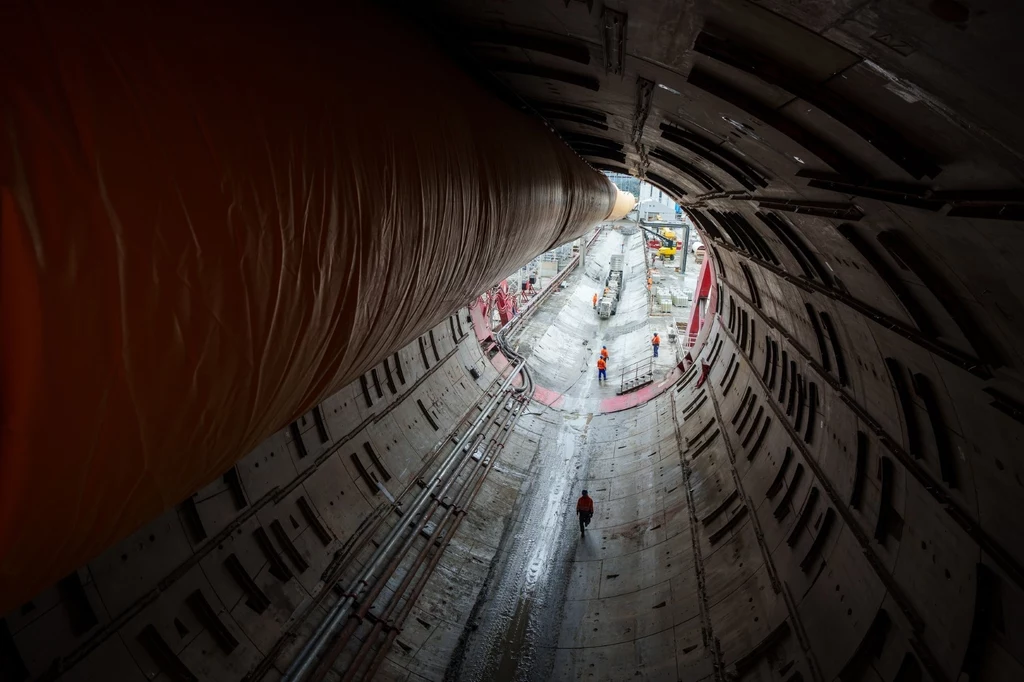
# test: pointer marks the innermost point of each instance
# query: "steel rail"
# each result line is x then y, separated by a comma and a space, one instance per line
315, 647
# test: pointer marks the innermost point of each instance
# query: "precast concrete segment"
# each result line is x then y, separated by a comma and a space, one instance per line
451, 507
359, 589
205, 215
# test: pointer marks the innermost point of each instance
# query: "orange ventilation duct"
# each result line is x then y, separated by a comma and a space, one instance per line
211, 221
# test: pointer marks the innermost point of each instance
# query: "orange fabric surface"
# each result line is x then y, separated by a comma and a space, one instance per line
211, 220
601, 364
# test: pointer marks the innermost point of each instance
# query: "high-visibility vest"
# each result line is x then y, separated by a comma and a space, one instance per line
601, 363
595, 298
604, 353
656, 341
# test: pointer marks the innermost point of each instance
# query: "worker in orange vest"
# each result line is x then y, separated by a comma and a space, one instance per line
604, 353
585, 509
655, 342
595, 300
601, 367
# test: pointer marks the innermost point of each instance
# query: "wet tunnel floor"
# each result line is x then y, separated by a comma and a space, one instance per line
517, 630
521, 614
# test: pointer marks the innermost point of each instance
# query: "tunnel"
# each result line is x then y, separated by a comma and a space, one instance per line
258, 425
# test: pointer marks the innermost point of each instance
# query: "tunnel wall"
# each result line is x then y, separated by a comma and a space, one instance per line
838, 499
728, 533
92, 624
853, 480
904, 447
211, 222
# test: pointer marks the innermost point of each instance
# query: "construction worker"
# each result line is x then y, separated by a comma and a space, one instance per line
595, 300
604, 353
655, 342
601, 367
585, 509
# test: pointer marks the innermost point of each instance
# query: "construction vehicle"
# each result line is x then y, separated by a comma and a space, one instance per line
664, 241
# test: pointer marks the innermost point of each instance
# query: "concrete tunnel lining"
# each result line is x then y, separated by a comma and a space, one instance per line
874, 533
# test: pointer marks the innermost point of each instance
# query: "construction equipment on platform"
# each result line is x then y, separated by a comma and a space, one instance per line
664, 240
606, 307
617, 262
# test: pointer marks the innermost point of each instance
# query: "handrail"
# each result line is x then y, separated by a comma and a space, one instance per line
634, 371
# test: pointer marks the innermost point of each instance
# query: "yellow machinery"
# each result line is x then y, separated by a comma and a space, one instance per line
668, 237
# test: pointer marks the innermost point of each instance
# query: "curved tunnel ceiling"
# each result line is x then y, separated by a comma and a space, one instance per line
855, 169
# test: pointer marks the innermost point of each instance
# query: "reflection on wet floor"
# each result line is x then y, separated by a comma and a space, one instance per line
520, 621
516, 630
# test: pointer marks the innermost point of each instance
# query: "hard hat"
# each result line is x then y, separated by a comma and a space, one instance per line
605, 347
584, 492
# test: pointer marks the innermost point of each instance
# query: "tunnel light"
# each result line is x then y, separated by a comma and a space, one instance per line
798, 160
665, 87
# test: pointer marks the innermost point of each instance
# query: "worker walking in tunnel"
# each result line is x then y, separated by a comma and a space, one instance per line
585, 509
604, 354
602, 365
656, 343
595, 300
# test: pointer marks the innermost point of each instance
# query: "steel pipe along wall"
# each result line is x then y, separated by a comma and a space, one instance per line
232, 580
212, 220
